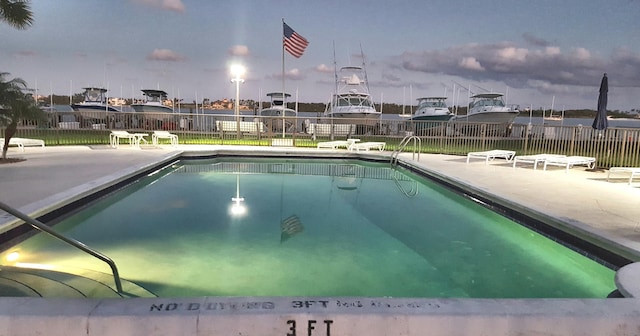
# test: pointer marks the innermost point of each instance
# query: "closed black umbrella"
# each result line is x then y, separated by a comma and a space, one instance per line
600, 121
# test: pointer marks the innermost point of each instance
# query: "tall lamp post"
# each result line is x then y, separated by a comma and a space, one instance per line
237, 70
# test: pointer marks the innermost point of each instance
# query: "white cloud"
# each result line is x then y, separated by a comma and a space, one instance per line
470, 63
165, 55
294, 74
324, 68
239, 50
552, 51
172, 5
581, 54
517, 66
509, 54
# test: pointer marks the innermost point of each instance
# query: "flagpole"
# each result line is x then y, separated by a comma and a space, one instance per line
284, 101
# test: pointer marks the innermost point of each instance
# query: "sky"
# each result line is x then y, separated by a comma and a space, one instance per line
537, 53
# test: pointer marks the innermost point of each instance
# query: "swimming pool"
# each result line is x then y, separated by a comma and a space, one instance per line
351, 228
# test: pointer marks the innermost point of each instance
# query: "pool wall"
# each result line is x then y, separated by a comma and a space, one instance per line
317, 316
308, 316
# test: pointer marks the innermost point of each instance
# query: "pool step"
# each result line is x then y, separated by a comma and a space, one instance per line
18, 281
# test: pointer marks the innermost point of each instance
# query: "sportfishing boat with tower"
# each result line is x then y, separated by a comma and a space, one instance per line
278, 108
94, 111
95, 100
351, 98
153, 102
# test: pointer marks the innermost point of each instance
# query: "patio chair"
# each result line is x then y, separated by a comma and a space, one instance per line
366, 146
535, 159
631, 171
491, 155
337, 143
21, 143
115, 136
570, 162
157, 135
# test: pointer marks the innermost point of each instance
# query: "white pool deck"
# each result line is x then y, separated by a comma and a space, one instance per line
580, 201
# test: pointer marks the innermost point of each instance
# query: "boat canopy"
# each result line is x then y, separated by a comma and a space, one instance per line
488, 95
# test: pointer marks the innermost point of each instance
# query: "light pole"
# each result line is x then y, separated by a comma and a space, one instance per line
237, 70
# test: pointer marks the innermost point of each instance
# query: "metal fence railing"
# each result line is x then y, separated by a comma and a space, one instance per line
611, 147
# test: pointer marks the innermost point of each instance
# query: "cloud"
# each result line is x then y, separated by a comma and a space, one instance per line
293, 74
26, 53
534, 40
470, 63
520, 66
171, 5
323, 68
239, 50
165, 55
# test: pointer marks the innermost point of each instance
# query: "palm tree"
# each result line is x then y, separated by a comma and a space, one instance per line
16, 13
15, 104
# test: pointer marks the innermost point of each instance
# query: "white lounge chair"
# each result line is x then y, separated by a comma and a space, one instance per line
337, 143
491, 155
535, 159
157, 135
366, 146
115, 136
570, 162
23, 142
631, 171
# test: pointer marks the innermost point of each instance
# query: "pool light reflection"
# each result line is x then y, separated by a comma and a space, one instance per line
237, 208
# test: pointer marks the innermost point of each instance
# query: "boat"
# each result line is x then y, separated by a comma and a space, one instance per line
488, 108
432, 109
352, 99
153, 102
94, 111
95, 100
551, 116
278, 108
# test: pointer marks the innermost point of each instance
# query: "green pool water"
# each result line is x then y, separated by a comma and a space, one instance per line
352, 229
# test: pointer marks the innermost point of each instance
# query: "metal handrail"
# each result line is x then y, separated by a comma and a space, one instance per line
417, 144
44, 228
409, 193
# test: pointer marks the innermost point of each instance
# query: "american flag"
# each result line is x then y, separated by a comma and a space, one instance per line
293, 42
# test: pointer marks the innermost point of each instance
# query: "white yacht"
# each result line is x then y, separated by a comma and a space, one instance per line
351, 98
93, 111
278, 108
153, 102
95, 100
432, 109
488, 108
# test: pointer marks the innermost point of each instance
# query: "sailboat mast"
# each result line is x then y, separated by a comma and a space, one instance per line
364, 69
335, 67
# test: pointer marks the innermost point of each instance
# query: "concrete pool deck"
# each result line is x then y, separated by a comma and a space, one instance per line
607, 213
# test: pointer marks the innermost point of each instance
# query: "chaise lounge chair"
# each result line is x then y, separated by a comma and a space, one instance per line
366, 146
631, 171
570, 161
337, 143
23, 142
492, 154
115, 136
535, 159
157, 135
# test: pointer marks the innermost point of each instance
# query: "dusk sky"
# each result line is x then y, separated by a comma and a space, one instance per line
533, 50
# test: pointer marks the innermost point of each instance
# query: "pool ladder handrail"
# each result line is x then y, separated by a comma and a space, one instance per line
417, 144
44, 228
409, 193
